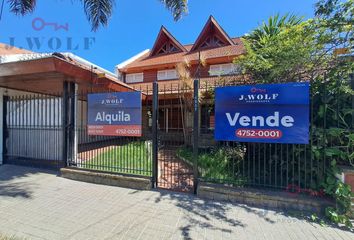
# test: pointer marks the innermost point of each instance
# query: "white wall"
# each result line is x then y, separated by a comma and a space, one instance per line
1, 124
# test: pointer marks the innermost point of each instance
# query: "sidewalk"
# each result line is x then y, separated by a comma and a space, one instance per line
40, 205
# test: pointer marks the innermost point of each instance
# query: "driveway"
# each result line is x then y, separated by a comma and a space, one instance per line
36, 204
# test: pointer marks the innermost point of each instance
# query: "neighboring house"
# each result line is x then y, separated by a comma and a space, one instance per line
9, 50
209, 59
32, 86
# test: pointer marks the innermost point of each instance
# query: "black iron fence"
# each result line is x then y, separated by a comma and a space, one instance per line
177, 148
283, 166
127, 155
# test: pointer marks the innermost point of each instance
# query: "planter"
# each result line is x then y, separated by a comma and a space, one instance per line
281, 200
118, 180
347, 176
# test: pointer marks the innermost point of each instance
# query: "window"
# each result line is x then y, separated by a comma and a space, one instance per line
134, 78
168, 48
212, 41
224, 69
167, 74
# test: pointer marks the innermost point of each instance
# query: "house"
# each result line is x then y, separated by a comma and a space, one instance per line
170, 63
10, 50
43, 95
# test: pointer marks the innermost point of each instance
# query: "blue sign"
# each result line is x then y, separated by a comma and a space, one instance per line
271, 113
114, 114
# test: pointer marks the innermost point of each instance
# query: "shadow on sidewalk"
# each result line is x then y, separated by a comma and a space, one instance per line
202, 212
14, 181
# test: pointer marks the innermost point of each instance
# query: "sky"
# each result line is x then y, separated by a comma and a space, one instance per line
134, 25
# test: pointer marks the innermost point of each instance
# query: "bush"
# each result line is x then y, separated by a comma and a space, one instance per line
217, 164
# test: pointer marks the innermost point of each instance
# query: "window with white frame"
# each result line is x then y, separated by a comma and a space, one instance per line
167, 74
134, 77
223, 69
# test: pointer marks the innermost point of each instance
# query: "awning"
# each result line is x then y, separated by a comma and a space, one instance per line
46, 76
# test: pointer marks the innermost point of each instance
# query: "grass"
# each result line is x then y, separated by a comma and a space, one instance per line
217, 165
132, 158
3, 237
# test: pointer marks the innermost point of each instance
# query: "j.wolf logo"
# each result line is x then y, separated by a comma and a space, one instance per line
39, 24
112, 100
52, 42
258, 95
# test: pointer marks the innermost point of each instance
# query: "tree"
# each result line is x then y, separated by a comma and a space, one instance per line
281, 50
288, 49
97, 12
271, 29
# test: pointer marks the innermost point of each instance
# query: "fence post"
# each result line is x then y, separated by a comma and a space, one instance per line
4, 134
72, 138
155, 107
352, 85
195, 134
65, 107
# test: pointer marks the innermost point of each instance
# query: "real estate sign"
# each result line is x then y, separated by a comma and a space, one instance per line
114, 114
271, 113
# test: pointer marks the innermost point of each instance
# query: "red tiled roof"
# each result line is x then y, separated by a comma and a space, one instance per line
225, 51
7, 50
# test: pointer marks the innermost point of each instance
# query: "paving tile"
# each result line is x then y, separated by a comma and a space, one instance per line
50, 207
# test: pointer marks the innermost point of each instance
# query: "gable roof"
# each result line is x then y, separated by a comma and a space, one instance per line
164, 36
226, 51
8, 50
212, 27
145, 61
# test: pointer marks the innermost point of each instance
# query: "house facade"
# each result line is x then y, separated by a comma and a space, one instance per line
214, 50
171, 64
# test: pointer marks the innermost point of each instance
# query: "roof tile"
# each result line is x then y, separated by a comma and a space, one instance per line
147, 61
7, 50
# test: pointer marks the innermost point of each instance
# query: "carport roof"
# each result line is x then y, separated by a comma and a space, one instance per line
46, 73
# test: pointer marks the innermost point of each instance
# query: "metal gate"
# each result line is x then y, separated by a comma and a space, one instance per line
33, 131
174, 130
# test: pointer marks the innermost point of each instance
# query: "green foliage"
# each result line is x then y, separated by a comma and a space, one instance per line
336, 16
342, 194
332, 103
288, 50
264, 33
22, 7
177, 7
286, 56
217, 164
98, 12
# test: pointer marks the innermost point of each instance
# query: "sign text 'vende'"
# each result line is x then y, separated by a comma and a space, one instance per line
274, 113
